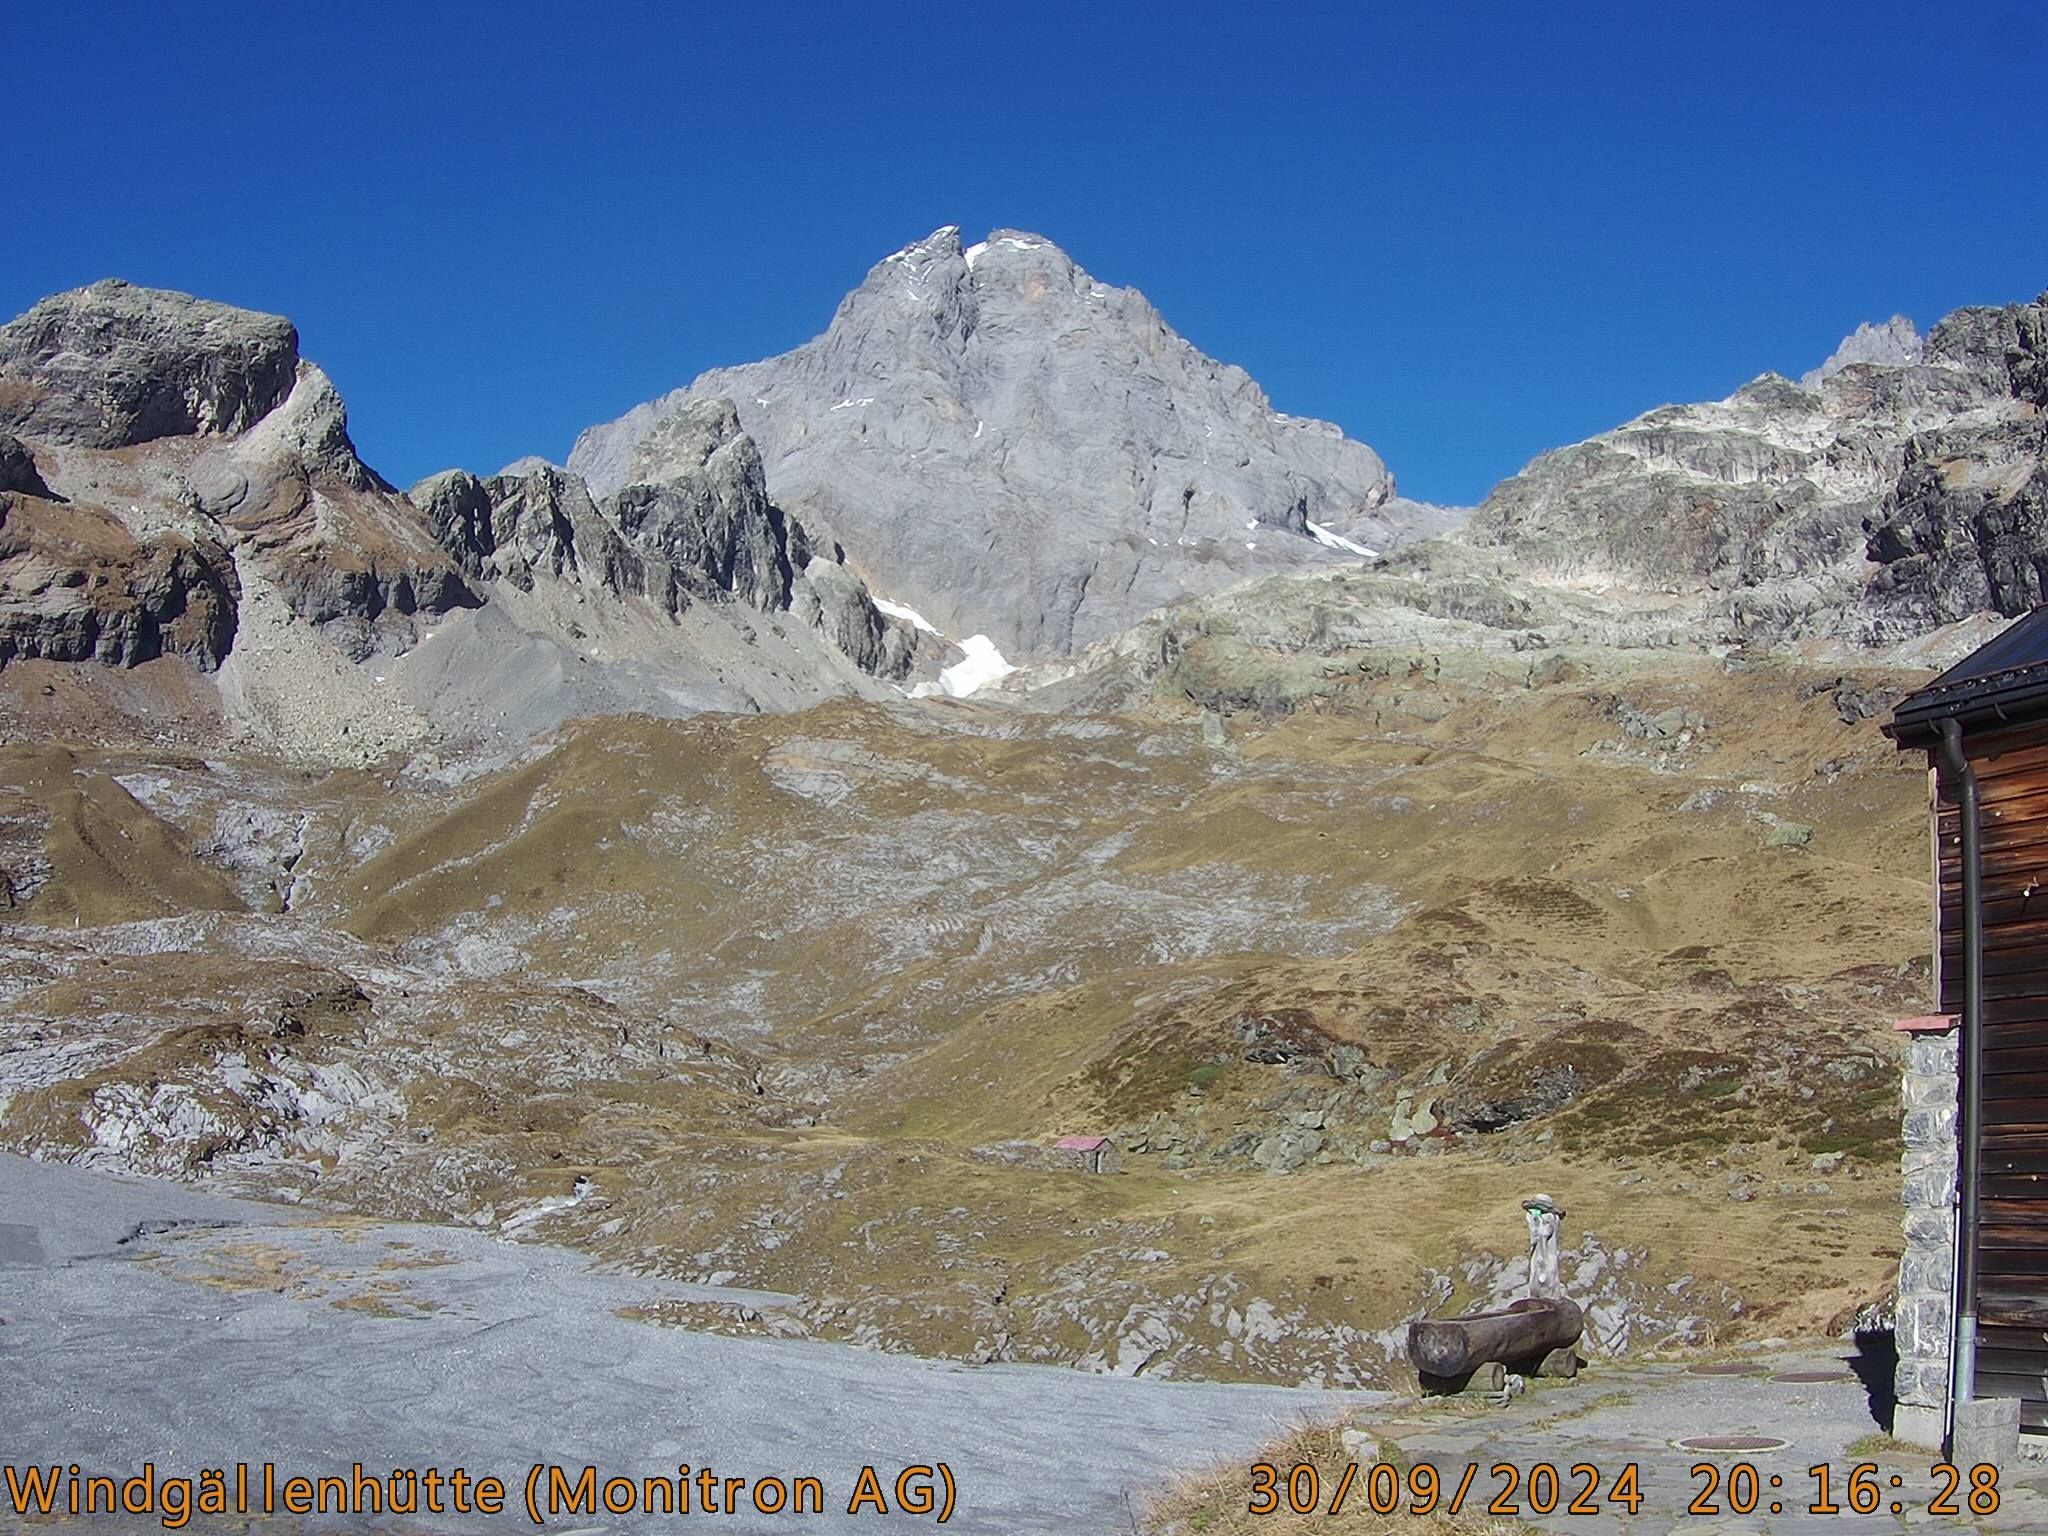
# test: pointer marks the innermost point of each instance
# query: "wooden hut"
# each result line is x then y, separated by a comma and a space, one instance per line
1976, 1266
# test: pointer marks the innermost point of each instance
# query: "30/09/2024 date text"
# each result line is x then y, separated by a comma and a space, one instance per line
1508, 1488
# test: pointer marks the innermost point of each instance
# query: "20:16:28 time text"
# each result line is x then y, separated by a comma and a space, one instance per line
1868, 1490
1583, 1489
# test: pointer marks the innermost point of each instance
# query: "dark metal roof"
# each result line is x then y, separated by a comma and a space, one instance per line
2003, 682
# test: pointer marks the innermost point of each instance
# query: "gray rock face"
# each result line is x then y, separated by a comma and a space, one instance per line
525, 525
1013, 448
1893, 344
18, 468
527, 463
345, 550
837, 603
163, 441
700, 504
80, 588
123, 605
694, 526
1964, 528
1892, 497
111, 365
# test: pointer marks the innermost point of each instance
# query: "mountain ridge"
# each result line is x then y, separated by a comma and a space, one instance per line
176, 480
1008, 445
1328, 895
1797, 512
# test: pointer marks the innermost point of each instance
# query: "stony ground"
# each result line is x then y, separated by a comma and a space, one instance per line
798, 1002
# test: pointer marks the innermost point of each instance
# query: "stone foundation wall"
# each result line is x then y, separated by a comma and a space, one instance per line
1929, 1134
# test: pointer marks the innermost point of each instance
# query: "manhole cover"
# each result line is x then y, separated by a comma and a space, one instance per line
1728, 1368
1732, 1443
1812, 1376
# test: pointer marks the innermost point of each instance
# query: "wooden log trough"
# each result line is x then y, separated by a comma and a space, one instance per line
1535, 1336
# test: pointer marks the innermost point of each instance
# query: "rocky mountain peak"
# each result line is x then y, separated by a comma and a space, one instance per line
2004, 349
1892, 344
940, 244
528, 463
747, 609
687, 441
175, 472
1905, 488
1014, 448
112, 365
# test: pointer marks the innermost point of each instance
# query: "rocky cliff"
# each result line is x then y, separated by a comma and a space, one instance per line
111, 366
696, 526
1893, 510
1012, 448
153, 444
175, 480
1899, 489
1965, 527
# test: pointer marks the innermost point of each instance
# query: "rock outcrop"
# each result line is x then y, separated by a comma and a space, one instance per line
175, 480
526, 525
1902, 491
18, 468
700, 505
1893, 344
111, 366
153, 443
77, 590
1965, 527
1015, 449
695, 526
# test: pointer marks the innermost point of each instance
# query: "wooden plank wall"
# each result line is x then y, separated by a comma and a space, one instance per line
2012, 778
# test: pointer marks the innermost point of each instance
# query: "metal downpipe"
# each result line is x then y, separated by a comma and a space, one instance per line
1962, 1375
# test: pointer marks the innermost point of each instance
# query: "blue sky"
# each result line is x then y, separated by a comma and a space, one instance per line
1465, 233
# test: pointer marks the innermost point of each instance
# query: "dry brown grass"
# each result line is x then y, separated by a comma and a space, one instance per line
1562, 912
383, 1300
111, 860
242, 1265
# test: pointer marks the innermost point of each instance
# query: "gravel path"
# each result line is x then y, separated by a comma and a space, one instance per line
144, 1321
